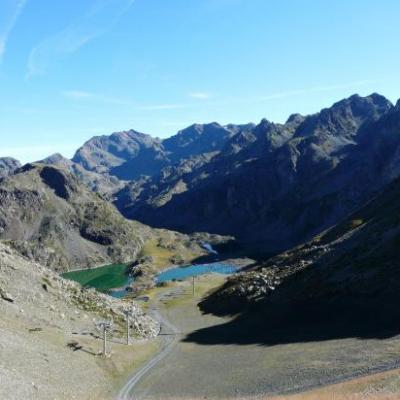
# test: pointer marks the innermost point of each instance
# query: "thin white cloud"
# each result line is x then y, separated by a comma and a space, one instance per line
96, 22
33, 153
83, 95
199, 95
77, 94
23, 110
328, 88
291, 93
163, 107
9, 11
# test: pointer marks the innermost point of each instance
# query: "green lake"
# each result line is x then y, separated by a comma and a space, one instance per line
101, 278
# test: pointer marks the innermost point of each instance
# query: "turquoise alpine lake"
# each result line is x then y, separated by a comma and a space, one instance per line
184, 272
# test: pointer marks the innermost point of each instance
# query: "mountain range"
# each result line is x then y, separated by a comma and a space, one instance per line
272, 186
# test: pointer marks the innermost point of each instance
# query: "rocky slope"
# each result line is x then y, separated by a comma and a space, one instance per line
274, 186
50, 217
43, 319
350, 269
8, 166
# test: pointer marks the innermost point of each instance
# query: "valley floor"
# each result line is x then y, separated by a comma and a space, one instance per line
219, 368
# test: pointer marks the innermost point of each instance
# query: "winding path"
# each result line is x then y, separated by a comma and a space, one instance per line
170, 340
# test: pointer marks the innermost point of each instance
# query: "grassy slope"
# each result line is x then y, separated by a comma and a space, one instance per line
162, 253
161, 256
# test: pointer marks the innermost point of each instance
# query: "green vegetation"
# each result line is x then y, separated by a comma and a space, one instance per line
101, 278
164, 251
355, 223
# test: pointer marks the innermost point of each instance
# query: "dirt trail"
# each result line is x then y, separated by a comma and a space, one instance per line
170, 337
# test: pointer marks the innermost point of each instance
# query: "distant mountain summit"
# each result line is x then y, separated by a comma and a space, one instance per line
8, 165
114, 154
197, 139
129, 155
346, 117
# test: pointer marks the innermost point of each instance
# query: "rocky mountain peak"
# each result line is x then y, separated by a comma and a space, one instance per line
345, 117
295, 118
197, 139
374, 103
240, 128
193, 132
270, 136
8, 165
125, 137
264, 124
57, 159
105, 153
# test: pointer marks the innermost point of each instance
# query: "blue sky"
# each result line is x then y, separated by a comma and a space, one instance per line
70, 70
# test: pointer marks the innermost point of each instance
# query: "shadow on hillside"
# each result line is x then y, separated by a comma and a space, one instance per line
373, 318
231, 250
220, 258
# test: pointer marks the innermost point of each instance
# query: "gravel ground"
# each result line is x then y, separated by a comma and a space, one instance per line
198, 371
41, 314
